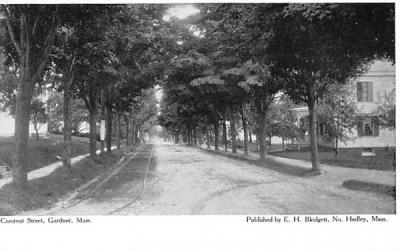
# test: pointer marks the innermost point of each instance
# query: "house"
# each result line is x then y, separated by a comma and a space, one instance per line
373, 89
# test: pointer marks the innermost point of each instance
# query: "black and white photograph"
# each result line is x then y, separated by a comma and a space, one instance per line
255, 109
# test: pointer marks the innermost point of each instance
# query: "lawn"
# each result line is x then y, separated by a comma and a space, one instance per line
46, 191
44, 151
350, 157
253, 147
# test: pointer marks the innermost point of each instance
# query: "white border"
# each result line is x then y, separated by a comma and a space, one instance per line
201, 232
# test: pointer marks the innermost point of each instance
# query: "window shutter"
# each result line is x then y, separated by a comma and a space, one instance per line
370, 92
376, 125
359, 127
359, 92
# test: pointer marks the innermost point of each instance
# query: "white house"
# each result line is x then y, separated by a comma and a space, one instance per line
373, 89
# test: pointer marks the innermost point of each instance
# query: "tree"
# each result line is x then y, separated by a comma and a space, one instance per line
283, 121
145, 112
387, 110
31, 31
87, 57
142, 46
38, 115
55, 107
314, 46
338, 114
262, 87
306, 47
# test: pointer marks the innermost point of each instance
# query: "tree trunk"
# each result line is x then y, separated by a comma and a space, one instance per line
36, 131
283, 144
109, 128
270, 142
262, 133
118, 130
194, 137
31, 63
133, 131
93, 131
67, 123
312, 111
102, 117
233, 135
337, 136
127, 136
21, 135
336, 147
245, 131
224, 135
250, 139
216, 137
208, 138
176, 138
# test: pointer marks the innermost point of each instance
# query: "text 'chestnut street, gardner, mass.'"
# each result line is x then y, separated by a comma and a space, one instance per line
46, 220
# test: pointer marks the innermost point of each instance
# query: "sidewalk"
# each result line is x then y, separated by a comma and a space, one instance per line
334, 173
46, 170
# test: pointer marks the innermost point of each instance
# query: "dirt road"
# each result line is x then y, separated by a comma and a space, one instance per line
182, 180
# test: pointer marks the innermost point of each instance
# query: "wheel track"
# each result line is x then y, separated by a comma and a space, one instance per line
126, 205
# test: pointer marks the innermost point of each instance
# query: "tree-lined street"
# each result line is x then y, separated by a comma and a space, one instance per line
230, 77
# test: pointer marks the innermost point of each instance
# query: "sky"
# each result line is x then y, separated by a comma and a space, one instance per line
181, 11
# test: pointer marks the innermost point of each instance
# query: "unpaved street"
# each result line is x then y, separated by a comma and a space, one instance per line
182, 180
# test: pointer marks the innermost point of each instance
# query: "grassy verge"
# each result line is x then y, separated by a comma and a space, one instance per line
46, 191
44, 151
349, 158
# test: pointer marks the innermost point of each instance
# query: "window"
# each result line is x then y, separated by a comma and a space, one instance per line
364, 92
368, 126
368, 152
